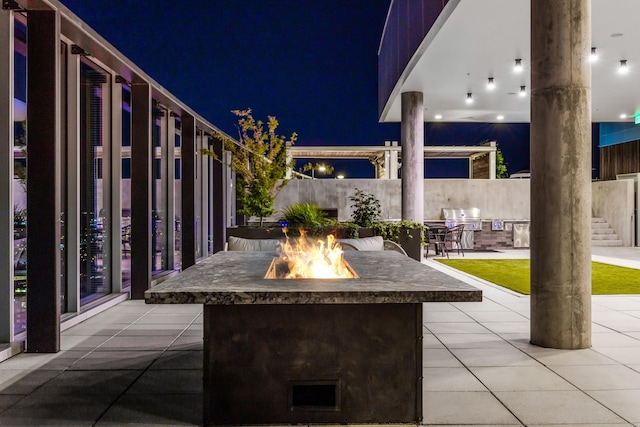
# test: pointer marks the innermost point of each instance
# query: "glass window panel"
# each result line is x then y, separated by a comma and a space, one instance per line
125, 188
20, 177
158, 194
177, 194
94, 221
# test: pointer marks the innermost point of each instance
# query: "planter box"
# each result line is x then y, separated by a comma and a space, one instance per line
411, 242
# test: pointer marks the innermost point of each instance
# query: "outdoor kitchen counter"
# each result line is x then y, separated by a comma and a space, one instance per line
385, 277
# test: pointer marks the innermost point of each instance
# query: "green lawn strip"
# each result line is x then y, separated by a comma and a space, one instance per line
514, 274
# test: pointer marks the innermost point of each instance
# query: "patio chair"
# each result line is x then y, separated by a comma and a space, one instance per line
456, 238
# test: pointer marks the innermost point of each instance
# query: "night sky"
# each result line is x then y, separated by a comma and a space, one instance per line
310, 63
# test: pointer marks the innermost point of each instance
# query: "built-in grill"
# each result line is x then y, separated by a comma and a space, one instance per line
470, 217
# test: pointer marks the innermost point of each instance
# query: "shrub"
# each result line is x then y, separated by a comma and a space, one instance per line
307, 216
366, 208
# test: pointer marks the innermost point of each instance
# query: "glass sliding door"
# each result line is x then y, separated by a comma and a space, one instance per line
125, 188
159, 192
177, 194
20, 176
94, 182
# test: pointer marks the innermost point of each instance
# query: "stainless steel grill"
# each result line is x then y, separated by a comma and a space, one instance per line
470, 217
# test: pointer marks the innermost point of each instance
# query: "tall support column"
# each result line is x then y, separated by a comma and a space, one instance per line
218, 195
560, 174
187, 178
6, 176
43, 183
412, 139
393, 162
141, 158
116, 187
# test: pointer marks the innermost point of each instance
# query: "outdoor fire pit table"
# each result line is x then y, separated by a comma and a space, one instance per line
292, 351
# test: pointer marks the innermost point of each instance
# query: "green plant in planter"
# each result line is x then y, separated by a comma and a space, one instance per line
307, 216
366, 208
393, 230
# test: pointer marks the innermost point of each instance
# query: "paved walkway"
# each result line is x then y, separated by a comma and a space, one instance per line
140, 365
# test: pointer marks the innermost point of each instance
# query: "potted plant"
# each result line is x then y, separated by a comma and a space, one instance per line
259, 160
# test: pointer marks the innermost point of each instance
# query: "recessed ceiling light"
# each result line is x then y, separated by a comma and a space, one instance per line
523, 91
491, 84
617, 35
594, 55
500, 117
623, 116
518, 66
438, 116
469, 98
624, 68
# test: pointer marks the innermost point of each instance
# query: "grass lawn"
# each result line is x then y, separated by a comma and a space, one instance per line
514, 274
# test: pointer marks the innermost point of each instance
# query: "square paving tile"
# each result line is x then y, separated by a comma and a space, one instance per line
520, 378
600, 377
456, 328
155, 409
116, 360
168, 381
439, 358
480, 407
625, 403
556, 407
105, 383
505, 356
450, 379
179, 360
50, 410
472, 341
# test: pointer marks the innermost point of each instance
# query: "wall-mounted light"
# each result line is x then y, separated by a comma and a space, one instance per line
339, 176
523, 91
438, 117
624, 68
500, 117
491, 85
469, 98
594, 55
518, 66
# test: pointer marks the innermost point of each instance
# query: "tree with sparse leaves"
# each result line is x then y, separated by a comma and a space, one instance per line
259, 158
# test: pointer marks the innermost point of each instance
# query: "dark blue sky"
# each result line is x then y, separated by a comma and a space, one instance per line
311, 63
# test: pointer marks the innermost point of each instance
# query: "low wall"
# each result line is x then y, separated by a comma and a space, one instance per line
496, 199
614, 201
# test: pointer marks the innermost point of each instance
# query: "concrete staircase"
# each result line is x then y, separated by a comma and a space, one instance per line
602, 234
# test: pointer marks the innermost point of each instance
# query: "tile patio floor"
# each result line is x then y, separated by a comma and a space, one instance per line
140, 365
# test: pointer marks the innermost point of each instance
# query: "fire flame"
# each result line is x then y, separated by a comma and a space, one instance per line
305, 258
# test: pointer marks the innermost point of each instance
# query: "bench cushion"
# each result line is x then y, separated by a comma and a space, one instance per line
375, 243
255, 245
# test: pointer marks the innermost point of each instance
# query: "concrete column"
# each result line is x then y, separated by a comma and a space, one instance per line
141, 158
412, 139
187, 178
561, 174
393, 162
43, 183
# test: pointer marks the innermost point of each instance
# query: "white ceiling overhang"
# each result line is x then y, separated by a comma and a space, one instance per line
482, 39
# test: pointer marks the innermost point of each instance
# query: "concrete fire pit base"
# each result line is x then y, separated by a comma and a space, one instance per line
334, 363
304, 351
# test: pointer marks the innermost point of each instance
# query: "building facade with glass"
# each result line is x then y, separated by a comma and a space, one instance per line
103, 190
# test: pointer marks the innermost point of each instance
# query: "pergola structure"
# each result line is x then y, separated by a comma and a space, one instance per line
387, 158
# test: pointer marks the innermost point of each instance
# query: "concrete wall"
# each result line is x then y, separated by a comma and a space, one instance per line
614, 201
496, 199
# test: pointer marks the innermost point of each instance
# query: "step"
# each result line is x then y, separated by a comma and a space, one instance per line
604, 237
597, 220
601, 243
595, 231
599, 225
